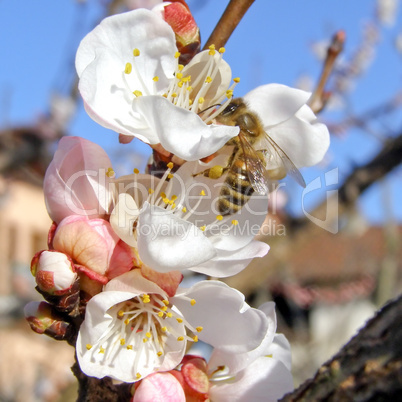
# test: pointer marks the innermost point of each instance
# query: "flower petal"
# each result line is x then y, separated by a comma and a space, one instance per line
101, 59
228, 322
228, 262
76, 182
302, 138
275, 103
265, 380
168, 243
180, 131
159, 387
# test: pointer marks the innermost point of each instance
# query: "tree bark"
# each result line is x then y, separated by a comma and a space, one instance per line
367, 368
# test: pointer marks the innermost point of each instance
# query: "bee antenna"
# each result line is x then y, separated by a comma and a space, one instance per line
209, 107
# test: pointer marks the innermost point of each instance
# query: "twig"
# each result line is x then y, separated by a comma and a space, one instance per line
231, 17
320, 97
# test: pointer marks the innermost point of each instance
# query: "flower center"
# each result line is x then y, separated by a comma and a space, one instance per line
186, 91
144, 326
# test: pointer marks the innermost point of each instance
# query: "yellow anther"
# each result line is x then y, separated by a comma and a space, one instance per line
128, 68
164, 95
136, 52
120, 313
122, 341
187, 79
151, 191
180, 67
129, 347
190, 101
137, 93
145, 340
179, 320
211, 47
212, 52
88, 346
148, 335
170, 176
199, 329
170, 165
174, 95
177, 55
180, 338
110, 173
201, 100
208, 80
163, 195
184, 209
165, 200
190, 88
164, 329
235, 222
136, 171
229, 93
159, 354
237, 79
160, 314
192, 302
173, 206
174, 198
222, 50
180, 84
126, 321
138, 375
202, 192
101, 350
156, 78
165, 302
219, 217
195, 338
170, 315
203, 228
179, 76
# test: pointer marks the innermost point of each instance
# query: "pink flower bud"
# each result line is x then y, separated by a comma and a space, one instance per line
43, 320
95, 249
76, 182
54, 272
188, 42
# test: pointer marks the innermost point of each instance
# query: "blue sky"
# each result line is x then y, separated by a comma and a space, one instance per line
272, 44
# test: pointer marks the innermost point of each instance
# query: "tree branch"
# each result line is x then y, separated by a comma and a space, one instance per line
367, 368
230, 19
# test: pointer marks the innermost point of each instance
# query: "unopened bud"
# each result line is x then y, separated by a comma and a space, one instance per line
179, 17
54, 272
44, 320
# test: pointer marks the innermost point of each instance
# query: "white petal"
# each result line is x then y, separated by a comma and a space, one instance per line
168, 243
228, 263
275, 103
302, 138
101, 60
235, 362
280, 350
265, 380
180, 131
228, 322
221, 81
123, 218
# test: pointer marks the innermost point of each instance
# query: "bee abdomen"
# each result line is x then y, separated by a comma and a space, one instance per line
236, 189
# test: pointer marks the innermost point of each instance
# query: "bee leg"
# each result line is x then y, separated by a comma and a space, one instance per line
215, 172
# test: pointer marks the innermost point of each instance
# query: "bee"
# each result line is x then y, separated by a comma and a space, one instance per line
248, 168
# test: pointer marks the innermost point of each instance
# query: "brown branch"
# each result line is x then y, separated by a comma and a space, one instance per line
367, 368
320, 97
231, 17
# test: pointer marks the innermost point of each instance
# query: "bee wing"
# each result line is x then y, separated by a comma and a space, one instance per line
255, 168
275, 152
